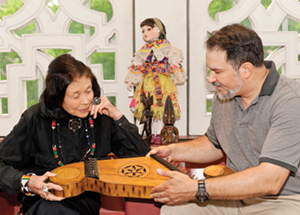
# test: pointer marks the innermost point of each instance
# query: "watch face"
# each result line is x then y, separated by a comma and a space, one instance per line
201, 197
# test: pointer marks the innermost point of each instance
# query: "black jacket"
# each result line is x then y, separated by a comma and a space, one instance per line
28, 147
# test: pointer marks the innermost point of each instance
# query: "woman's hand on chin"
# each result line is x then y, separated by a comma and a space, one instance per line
105, 107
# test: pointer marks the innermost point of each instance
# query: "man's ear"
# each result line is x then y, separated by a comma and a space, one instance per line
246, 70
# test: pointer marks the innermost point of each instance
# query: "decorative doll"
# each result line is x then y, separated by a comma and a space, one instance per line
156, 69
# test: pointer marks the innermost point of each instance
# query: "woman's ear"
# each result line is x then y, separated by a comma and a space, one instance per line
246, 70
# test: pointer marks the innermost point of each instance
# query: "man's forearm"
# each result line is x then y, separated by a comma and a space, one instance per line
199, 150
264, 179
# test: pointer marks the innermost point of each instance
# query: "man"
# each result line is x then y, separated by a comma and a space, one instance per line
255, 123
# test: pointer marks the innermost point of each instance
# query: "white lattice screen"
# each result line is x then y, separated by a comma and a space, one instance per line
187, 24
265, 21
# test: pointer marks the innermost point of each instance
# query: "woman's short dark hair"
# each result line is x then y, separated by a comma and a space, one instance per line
240, 43
61, 72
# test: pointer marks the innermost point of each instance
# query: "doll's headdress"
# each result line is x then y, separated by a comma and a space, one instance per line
155, 21
161, 28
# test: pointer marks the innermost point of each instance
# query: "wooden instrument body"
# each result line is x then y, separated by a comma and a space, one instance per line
214, 171
127, 177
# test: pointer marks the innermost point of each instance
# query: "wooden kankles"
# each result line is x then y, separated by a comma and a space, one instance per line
128, 177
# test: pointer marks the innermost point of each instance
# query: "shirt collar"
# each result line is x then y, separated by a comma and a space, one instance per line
271, 80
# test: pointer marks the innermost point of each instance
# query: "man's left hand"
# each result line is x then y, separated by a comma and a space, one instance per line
178, 189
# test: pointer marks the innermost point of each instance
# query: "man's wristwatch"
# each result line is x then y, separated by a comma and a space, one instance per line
201, 195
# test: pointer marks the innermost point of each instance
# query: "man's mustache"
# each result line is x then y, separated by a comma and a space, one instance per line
217, 84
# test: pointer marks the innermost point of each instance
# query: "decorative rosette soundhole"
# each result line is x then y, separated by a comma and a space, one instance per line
134, 170
65, 174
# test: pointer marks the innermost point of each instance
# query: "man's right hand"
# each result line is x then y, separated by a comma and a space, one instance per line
162, 151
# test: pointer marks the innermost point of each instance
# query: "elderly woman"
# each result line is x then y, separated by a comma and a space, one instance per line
69, 124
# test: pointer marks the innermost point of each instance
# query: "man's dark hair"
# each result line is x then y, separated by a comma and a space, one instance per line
61, 72
240, 43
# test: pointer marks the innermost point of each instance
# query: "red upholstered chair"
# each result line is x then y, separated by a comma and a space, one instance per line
112, 205
135, 206
8, 204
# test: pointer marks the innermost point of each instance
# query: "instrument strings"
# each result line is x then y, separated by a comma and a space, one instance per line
171, 166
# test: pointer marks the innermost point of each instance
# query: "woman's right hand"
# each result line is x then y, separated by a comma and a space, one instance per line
36, 184
107, 108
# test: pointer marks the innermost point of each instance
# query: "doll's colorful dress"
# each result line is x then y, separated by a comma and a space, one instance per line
156, 68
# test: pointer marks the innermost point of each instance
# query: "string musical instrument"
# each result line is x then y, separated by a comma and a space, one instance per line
214, 171
127, 177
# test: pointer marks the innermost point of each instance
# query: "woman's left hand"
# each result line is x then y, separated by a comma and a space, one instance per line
105, 107
37, 185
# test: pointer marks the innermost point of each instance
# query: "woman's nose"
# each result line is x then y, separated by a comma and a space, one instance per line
84, 99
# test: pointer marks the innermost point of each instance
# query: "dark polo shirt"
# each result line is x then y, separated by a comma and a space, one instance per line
267, 131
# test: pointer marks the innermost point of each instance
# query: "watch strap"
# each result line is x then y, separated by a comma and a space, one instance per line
202, 195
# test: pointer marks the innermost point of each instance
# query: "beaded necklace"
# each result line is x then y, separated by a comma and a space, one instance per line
92, 149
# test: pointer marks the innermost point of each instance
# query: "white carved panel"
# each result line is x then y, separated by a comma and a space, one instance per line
53, 33
265, 21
